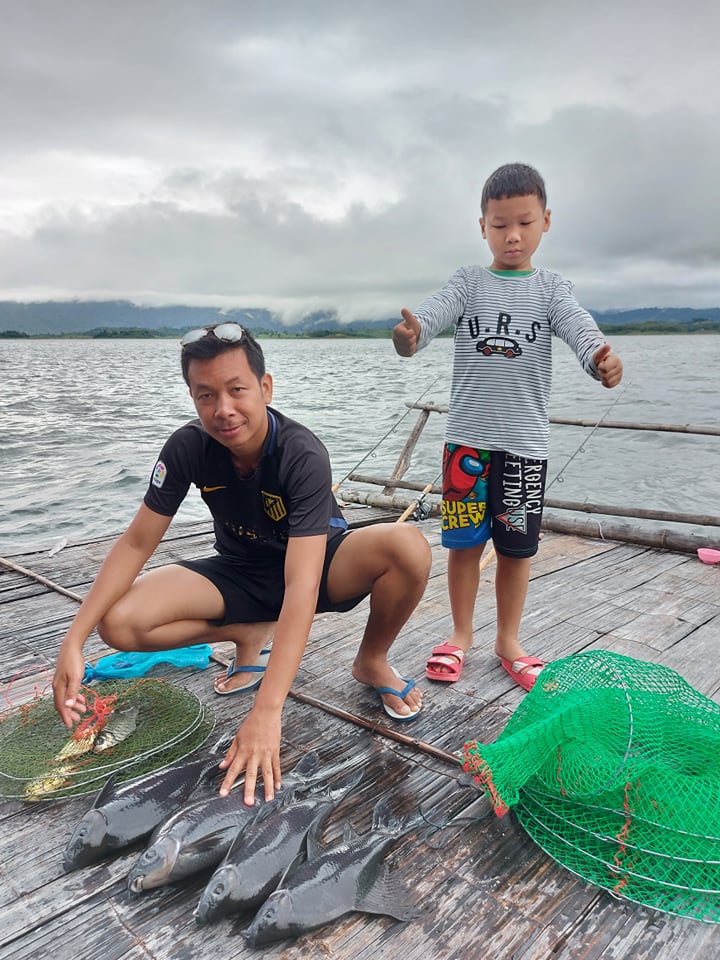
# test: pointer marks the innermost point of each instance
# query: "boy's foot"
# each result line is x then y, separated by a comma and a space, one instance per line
523, 670
445, 663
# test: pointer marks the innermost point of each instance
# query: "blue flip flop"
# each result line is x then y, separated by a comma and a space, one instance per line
409, 684
253, 684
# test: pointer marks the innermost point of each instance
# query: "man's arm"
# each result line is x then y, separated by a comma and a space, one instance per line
256, 746
117, 574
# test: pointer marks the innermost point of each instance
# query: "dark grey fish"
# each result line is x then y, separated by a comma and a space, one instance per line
350, 876
121, 724
199, 835
261, 853
121, 815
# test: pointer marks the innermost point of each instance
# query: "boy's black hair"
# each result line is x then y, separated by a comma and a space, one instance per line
211, 346
513, 180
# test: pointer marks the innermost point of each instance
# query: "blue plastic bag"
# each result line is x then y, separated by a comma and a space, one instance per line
138, 664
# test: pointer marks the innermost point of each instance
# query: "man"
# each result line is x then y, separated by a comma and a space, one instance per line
284, 553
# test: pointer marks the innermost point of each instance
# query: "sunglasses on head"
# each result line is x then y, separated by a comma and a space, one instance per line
230, 332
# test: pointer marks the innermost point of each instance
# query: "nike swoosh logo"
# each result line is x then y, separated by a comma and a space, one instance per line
212, 489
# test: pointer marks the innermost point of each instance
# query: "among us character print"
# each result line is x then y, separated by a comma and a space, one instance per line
464, 499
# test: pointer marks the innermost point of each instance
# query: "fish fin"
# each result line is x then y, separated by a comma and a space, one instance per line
107, 790
387, 822
343, 785
305, 769
290, 868
313, 838
223, 744
384, 818
384, 898
349, 833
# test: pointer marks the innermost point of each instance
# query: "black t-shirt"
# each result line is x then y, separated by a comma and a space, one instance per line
289, 495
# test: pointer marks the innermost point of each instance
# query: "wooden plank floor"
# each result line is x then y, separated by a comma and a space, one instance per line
488, 890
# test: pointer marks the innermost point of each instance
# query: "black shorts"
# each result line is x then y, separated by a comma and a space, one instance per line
254, 594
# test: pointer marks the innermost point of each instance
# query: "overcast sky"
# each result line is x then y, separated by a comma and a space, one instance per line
316, 153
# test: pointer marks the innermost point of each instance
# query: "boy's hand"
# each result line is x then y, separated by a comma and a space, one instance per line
609, 366
405, 335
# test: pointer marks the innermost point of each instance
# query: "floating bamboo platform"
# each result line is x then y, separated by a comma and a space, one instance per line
487, 889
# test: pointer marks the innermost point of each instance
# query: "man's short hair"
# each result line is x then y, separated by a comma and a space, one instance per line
513, 180
209, 346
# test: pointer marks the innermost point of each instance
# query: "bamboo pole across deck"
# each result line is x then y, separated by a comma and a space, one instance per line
578, 506
609, 529
694, 428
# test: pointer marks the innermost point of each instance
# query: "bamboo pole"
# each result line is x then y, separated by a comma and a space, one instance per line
394, 483
40, 579
379, 728
693, 428
407, 451
624, 532
370, 499
579, 506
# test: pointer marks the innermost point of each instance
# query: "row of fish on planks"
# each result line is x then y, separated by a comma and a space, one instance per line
271, 859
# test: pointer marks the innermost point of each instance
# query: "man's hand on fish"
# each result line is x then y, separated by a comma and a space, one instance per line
69, 701
256, 748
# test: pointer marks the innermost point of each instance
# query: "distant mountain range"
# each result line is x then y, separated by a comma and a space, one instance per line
83, 316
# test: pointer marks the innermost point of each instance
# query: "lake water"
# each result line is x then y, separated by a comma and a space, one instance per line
82, 421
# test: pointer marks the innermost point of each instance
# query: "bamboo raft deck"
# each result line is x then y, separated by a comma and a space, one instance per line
488, 890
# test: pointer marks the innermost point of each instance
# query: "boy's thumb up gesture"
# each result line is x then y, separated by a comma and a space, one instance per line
405, 334
609, 366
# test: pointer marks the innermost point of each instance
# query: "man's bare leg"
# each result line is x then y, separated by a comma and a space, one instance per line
392, 563
170, 607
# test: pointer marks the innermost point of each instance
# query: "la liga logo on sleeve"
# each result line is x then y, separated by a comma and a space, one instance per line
159, 474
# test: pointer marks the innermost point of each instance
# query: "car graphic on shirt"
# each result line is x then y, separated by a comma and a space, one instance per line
505, 346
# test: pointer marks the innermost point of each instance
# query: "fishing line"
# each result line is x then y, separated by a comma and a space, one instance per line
382, 439
581, 448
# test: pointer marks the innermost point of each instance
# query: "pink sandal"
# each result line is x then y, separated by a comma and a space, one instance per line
524, 670
445, 655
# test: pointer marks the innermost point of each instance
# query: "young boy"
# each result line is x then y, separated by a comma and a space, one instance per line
495, 456
283, 554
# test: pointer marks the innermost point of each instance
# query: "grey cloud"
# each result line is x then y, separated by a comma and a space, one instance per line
240, 122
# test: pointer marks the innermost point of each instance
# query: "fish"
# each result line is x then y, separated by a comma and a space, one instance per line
121, 724
253, 865
121, 815
349, 876
199, 835
61, 769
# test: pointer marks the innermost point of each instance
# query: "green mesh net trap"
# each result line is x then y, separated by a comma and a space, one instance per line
612, 765
130, 727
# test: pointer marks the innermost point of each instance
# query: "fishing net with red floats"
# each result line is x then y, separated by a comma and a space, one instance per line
130, 727
612, 765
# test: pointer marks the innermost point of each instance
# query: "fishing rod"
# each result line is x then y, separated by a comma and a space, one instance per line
581, 446
336, 486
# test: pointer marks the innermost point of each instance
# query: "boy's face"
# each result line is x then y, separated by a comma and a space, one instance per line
513, 228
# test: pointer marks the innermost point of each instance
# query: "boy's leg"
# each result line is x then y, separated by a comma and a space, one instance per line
391, 562
511, 585
516, 490
463, 583
171, 607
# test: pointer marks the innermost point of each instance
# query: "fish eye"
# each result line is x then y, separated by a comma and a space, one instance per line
218, 889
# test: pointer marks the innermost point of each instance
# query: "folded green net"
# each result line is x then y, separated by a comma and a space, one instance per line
612, 765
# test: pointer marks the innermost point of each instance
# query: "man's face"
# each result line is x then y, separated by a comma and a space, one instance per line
513, 228
230, 401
